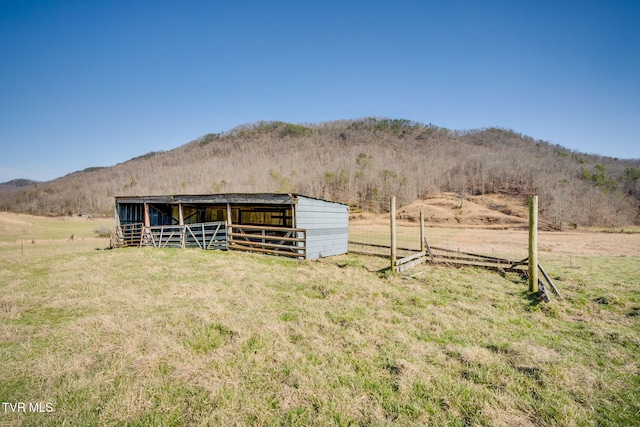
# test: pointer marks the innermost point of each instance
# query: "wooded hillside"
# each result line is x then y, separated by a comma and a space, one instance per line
361, 163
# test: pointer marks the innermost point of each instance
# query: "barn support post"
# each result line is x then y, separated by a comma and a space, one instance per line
229, 227
114, 240
394, 251
533, 244
117, 215
294, 223
294, 214
147, 221
181, 223
146, 225
180, 214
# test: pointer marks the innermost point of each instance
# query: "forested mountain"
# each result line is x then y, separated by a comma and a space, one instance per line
360, 162
16, 183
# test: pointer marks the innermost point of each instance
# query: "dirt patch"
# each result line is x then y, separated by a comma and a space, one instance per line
493, 211
570, 243
448, 209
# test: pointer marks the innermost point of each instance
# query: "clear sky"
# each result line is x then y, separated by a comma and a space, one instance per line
94, 83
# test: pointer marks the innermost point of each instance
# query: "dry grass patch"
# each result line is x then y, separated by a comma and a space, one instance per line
187, 337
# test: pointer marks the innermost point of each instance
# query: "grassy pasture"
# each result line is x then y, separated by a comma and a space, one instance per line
188, 337
14, 226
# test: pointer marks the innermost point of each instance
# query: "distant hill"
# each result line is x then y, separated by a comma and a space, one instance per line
362, 163
16, 183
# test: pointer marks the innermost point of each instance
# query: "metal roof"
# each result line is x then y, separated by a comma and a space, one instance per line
232, 198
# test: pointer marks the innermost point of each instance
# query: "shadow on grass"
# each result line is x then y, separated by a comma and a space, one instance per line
535, 298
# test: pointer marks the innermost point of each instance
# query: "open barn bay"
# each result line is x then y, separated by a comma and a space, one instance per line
191, 337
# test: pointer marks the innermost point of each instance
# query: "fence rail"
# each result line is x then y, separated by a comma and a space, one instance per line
290, 242
411, 257
129, 234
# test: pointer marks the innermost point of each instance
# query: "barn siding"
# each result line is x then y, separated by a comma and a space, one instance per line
327, 225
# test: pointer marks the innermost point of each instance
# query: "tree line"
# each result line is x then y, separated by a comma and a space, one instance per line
362, 163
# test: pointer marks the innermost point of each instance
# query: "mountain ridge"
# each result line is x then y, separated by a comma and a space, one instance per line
359, 162
16, 183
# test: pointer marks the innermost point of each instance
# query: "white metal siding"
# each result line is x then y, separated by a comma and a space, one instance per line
327, 225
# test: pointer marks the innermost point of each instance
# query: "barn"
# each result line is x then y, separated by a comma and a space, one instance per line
290, 225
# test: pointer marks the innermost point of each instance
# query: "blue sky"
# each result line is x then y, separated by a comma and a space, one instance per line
94, 83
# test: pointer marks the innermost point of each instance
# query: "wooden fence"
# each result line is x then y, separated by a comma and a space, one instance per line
437, 255
128, 234
290, 242
434, 254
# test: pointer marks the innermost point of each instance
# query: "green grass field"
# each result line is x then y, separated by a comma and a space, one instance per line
143, 337
13, 227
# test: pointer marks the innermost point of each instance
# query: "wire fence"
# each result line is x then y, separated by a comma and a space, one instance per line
375, 239
407, 235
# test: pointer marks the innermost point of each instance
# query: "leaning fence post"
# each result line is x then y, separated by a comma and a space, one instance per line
533, 244
392, 214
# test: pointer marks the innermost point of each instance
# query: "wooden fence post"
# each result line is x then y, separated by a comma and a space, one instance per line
422, 248
392, 214
533, 244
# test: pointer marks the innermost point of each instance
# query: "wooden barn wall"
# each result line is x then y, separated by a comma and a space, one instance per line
130, 213
327, 225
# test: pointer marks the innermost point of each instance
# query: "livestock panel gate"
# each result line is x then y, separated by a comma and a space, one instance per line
280, 224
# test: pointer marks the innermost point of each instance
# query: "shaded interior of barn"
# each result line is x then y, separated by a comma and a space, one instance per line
267, 210
169, 214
